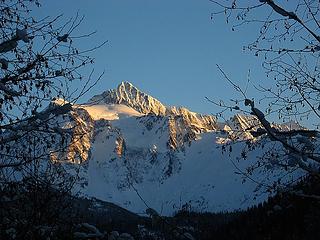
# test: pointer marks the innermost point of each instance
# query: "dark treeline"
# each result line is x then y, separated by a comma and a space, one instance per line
285, 216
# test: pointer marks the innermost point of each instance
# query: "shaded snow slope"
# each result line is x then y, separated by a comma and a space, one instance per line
198, 175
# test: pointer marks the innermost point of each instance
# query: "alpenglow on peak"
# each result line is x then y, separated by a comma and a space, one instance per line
131, 96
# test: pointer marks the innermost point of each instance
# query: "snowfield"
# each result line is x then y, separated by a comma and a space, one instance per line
203, 177
110, 111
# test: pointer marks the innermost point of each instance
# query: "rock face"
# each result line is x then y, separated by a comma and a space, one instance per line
78, 143
129, 95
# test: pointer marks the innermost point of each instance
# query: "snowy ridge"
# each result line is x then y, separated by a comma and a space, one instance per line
240, 126
131, 96
128, 95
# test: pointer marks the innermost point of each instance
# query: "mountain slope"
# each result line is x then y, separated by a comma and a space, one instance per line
171, 158
126, 147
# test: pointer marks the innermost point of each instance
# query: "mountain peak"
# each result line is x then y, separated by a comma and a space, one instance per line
127, 87
131, 96
125, 84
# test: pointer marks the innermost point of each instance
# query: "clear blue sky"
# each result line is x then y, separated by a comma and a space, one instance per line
167, 48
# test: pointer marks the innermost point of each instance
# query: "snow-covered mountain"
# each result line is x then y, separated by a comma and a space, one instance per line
129, 95
130, 149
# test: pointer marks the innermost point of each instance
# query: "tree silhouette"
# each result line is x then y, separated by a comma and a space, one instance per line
39, 128
287, 44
